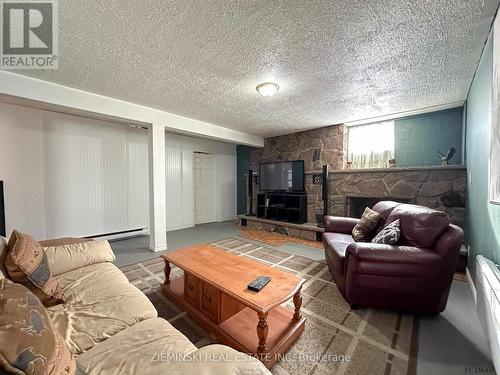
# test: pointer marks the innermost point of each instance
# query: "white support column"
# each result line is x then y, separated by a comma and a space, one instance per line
157, 189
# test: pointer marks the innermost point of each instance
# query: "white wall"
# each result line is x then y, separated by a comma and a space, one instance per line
67, 175
21, 169
179, 165
73, 176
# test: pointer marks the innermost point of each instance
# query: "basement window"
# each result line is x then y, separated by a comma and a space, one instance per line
371, 145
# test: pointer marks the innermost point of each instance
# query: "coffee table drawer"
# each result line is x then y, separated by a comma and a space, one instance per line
210, 301
192, 286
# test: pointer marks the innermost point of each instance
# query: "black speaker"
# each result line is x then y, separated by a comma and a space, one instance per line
2, 212
324, 192
324, 182
250, 193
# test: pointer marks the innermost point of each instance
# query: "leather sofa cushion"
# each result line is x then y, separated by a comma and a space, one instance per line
420, 226
389, 260
134, 350
384, 209
71, 256
154, 347
99, 302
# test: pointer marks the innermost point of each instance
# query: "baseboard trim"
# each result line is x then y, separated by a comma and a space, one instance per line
158, 248
471, 285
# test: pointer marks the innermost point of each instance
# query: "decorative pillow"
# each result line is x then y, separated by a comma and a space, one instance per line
69, 257
389, 235
365, 225
35, 347
27, 264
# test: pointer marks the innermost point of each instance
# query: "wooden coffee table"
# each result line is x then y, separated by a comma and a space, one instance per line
213, 291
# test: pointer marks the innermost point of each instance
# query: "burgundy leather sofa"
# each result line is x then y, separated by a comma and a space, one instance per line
414, 276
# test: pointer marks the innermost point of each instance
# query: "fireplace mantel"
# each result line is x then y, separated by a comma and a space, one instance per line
434, 168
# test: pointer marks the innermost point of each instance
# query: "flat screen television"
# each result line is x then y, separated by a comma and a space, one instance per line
283, 176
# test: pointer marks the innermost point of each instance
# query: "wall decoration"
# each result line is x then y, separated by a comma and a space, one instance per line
494, 165
317, 179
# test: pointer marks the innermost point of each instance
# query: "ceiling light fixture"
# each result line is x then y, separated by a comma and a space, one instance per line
267, 88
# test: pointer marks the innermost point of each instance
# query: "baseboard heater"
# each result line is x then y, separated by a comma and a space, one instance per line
488, 304
121, 234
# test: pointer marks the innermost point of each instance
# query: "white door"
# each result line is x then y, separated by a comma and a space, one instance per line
204, 188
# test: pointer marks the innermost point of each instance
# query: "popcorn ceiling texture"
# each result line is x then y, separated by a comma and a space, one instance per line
335, 61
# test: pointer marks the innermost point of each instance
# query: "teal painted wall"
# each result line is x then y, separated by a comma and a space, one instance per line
242, 167
482, 218
417, 138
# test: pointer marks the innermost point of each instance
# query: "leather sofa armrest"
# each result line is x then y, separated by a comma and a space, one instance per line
380, 253
339, 224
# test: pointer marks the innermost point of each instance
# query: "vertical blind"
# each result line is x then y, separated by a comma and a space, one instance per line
371, 145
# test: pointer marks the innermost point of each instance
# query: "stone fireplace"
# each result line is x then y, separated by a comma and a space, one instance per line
440, 187
356, 204
351, 190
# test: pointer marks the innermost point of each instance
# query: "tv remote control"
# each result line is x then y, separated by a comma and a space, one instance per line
259, 283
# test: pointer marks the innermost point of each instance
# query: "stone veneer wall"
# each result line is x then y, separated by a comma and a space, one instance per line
438, 187
316, 147
442, 188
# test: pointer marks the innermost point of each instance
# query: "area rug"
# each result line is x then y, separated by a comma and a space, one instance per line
276, 239
336, 340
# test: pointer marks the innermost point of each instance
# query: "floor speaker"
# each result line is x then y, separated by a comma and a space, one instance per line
324, 195
324, 190
250, 193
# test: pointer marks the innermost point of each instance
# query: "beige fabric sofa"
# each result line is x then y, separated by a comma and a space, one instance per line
113, 328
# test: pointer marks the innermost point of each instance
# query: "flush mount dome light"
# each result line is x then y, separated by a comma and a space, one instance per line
267, 88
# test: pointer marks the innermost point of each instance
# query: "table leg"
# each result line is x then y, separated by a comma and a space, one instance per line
166, 271
262, 333
297, 302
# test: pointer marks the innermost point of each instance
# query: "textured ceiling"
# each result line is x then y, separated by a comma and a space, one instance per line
335, 61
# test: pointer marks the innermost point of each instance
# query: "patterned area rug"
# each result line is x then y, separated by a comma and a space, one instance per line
336, 340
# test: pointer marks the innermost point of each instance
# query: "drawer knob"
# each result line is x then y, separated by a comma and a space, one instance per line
190, 286
208, 297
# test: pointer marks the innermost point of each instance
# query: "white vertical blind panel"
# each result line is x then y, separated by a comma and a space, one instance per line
138, 179
94, 181
173, 166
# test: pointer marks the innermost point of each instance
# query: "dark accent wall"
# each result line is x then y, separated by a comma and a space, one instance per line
418, 138
482, 218
242, 167
2, 211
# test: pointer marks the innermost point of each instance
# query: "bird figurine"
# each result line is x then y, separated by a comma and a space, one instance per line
446, 158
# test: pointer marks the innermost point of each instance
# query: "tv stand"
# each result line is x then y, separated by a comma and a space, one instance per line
288, 207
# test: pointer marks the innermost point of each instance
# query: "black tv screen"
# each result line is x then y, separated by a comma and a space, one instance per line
285, 176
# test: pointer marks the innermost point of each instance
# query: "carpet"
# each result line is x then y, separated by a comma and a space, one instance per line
336, 340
